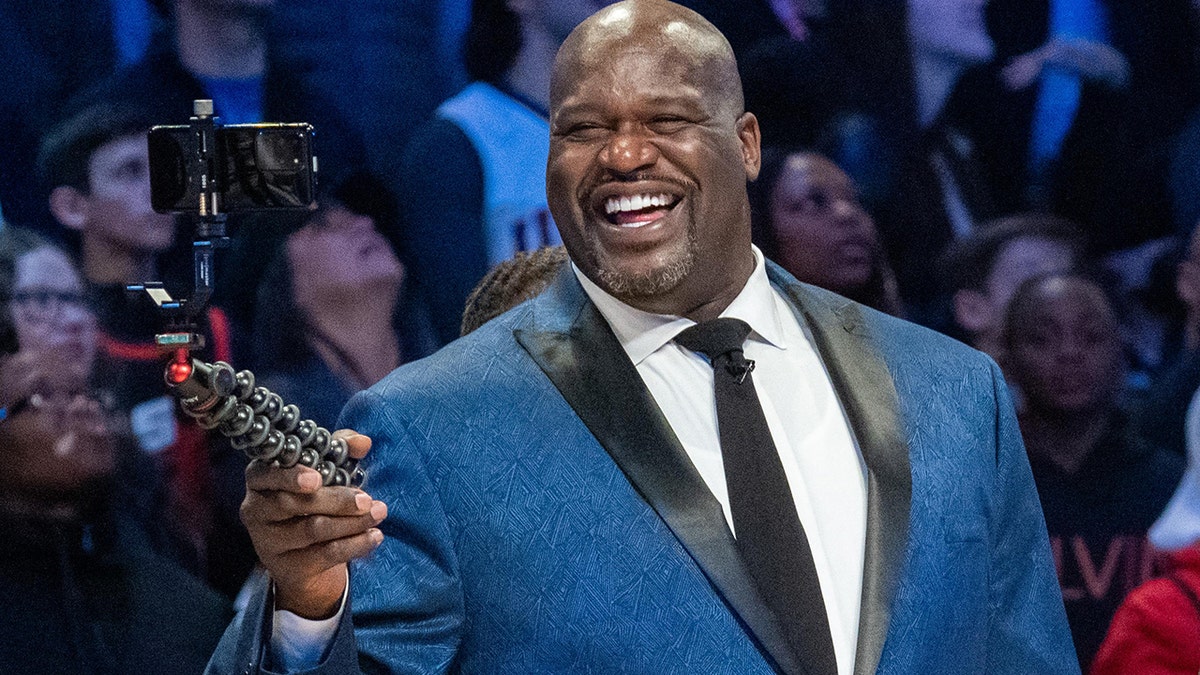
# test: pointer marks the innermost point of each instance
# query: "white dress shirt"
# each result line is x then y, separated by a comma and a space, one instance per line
823, 466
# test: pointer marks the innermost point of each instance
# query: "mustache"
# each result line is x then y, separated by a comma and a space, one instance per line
608, 177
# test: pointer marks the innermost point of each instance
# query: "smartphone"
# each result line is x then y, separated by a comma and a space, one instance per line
258, 167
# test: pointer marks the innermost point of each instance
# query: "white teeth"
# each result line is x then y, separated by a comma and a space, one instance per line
635, 203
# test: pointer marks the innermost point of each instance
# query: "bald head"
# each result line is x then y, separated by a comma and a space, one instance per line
655, 27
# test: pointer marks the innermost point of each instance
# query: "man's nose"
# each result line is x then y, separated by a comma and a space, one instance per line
628, 151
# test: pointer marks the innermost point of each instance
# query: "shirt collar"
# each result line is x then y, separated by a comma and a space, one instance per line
643, 333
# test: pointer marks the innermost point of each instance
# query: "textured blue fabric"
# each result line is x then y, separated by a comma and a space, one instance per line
514, 544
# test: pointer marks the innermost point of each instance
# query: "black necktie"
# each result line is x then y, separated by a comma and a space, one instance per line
770, 538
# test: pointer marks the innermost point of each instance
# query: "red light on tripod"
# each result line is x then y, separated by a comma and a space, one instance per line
180, 369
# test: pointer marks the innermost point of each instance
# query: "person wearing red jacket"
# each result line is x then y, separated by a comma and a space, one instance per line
1157, 628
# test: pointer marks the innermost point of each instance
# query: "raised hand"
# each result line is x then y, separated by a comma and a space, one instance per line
1092, 61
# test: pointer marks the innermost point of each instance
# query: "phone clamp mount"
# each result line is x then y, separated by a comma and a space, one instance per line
256, 420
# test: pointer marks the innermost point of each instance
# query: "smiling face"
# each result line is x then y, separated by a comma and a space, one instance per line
824, 235
649, 157
48, 308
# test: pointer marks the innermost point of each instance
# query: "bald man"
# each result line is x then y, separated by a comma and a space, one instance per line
548, 494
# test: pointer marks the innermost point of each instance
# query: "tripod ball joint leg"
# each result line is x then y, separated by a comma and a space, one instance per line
258, 421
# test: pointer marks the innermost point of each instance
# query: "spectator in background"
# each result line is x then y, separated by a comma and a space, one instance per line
473, 182
1100, 486
337, 270
384, 70
218, 49
44, 300
785, 60
85, 582
1079, 111
1163, 406
95, 165
1079, 107
1155, 630
982, 270
808, 219
49, 53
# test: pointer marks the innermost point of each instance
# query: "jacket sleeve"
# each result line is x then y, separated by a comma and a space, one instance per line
406, 595
1028, 630
244, 647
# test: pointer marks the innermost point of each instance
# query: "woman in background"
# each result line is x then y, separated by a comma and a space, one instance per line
809, 220
42, 307
338, 270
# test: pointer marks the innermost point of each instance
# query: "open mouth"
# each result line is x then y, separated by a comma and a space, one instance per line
639, 209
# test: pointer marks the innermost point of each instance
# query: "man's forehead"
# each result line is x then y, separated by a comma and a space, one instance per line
638, 61
667, 64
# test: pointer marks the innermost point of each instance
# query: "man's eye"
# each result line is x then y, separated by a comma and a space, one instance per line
583, 131
668, 125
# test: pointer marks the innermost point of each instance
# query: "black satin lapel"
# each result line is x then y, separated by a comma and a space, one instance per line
869, 398
595, 376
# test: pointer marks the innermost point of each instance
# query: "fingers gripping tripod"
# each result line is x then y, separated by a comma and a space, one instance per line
256, 420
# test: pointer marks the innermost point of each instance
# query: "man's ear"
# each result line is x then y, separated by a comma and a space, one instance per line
973, 311
751, 139
69, 207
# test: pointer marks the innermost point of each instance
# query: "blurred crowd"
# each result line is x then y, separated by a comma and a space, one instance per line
1023, 175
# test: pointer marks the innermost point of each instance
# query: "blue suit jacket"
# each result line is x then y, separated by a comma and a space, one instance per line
544, 518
